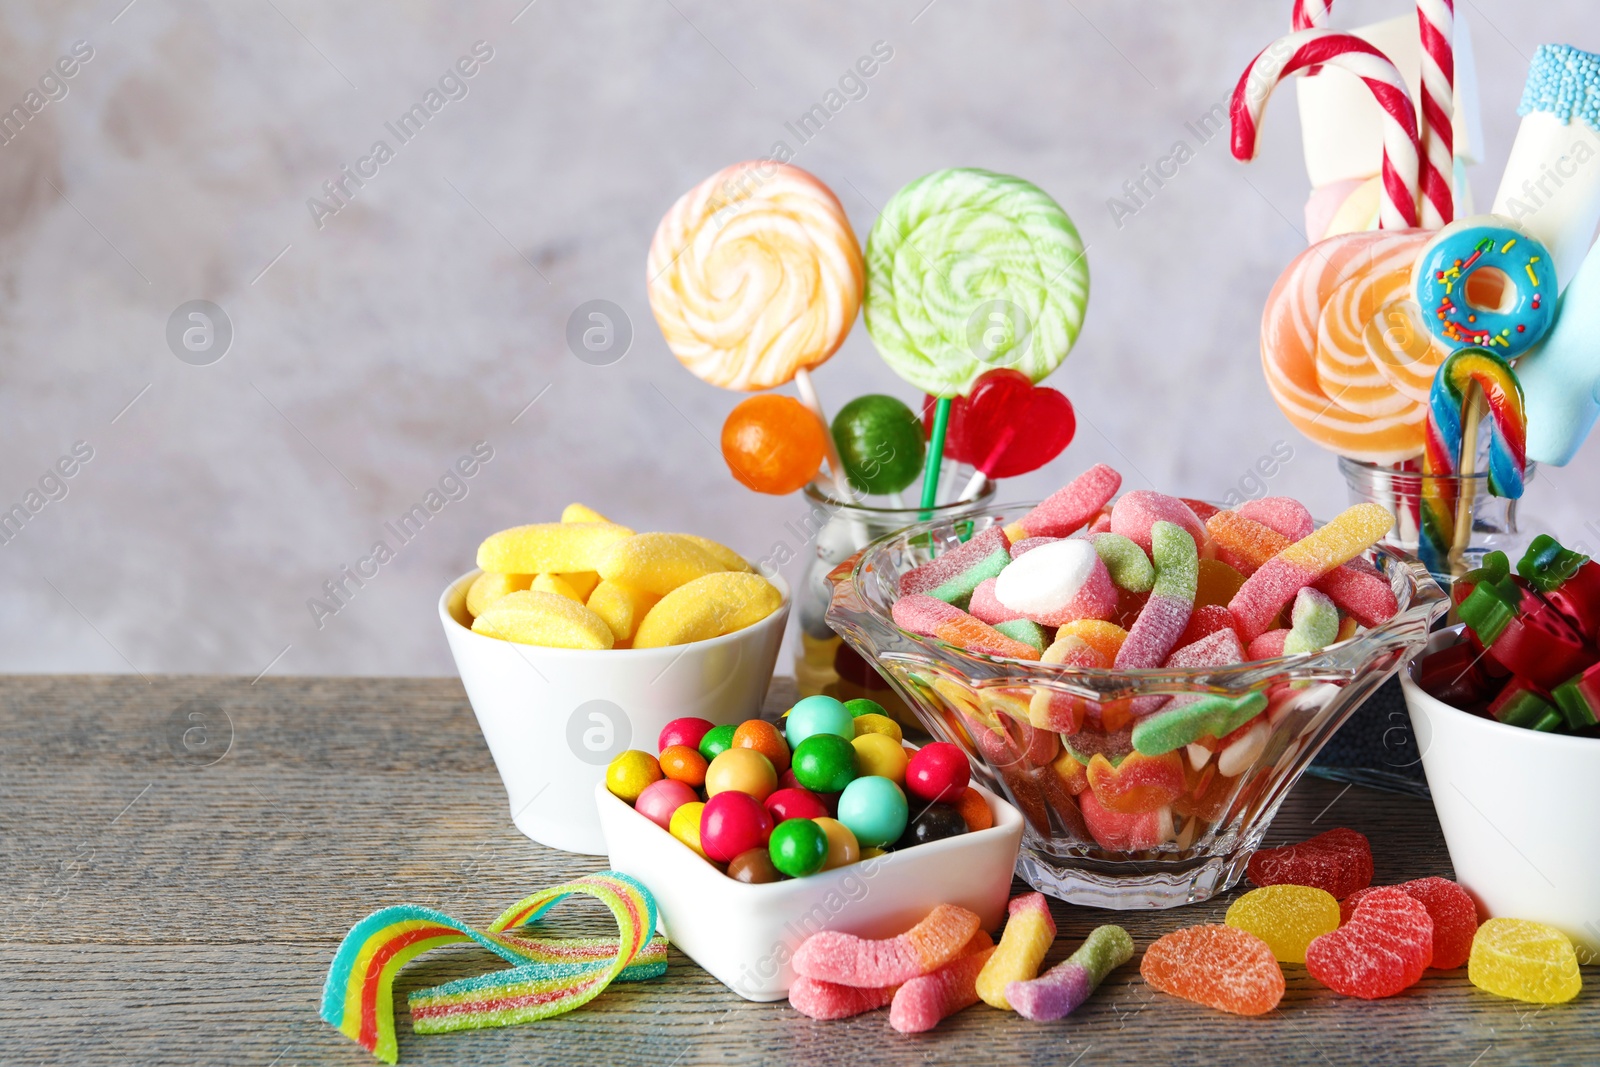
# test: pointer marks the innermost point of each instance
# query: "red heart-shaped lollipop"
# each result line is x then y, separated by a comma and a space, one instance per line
1008, 426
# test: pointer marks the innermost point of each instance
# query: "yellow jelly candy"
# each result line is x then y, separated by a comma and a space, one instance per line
629, 774
576, 512
538, 618
1524, 960
488, 587
708, 606
555, 583
873, 723
657, 562
725, 556
1286, 917
582, 582
621, 606
550, 547
685, 825
1029, 932
881, 755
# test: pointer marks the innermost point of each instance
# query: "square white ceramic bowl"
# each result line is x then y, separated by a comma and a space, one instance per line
554, 717
1520, 810
745, 935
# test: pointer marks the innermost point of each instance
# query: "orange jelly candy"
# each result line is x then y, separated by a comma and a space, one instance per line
1139, 783
1216, 583
773, 443
1104, 637
1218, 966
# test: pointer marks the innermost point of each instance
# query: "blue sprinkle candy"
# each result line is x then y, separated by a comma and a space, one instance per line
1565, 82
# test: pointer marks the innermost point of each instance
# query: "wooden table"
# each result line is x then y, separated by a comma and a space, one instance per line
162, 908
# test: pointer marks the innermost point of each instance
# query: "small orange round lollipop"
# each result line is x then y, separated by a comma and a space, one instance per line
773, 444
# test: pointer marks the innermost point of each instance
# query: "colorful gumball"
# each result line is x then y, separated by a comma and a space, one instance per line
660, 800
764, 738
934, 823
875, 810
629, 774
798, 847
773, 444
824, 763
732, 823
843, 848
796, 802
753, 867
684, 764
685, 731
880, 443
880, 755
743, 770
939, 771
818, 715
717, 740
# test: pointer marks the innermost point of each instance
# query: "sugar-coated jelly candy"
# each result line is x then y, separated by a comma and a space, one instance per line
1286, 917
874, 809
717, 740
795, 802
753, 866
933, 823
1284, 514
921, 1003
1125, 561
843, 848
684, 764
1121, 832
621, 607
830, 1000
1382, 950
974, 810
824, 763
685, 825
938, 771
555, 583
923, 614
1185, 721
765, 738
1025, 631
773, 443
1074, 505
1134, 514
1029, 932
1338, 861
1164, 616
1056, 584
880, 443
1137, 783
971, 634
1454, 915
798, 847
1054, 994
576, 512
550, 547
818, 715
630, 772
659, 800
488, 587
952, 575
1218, 966
685, 731
742, 770
733, 823
832, 956
548, 619
707, 607
1314, 623
1524, 960
1275, 582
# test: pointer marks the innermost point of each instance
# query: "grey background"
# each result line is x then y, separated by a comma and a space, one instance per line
423, 317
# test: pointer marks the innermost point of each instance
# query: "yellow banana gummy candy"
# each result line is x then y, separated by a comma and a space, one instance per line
550, 547
708, 606
538, 618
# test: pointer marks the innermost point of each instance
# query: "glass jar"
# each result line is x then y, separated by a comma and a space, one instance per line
823, 663
1494, 518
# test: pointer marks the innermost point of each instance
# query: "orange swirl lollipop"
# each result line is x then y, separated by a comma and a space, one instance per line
755, 276
1342, 352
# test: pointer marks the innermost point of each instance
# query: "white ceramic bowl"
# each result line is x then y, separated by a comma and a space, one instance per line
554, 717
745, 935
1520, 811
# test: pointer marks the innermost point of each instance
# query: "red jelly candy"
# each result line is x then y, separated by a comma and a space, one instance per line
1219, 966
1453, 676
1381, 951
1339, 861
1454, 915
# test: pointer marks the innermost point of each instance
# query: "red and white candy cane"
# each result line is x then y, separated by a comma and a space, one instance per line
1310, 14
1436, 21
1308, 48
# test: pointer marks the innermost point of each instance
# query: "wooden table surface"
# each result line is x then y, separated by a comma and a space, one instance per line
163, 908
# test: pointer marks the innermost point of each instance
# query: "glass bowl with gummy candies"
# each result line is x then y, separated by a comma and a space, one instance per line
1143, 676
830, 785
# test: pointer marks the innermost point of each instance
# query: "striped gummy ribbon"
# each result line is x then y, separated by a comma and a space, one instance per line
547, 977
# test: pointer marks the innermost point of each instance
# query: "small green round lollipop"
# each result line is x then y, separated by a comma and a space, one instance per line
880, 443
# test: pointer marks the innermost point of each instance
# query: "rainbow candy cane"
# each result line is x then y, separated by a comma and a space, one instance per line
547, 976
1447, 452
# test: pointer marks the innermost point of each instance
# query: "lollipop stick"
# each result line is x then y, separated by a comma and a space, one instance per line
930, 473
808, 397
990, 462
1467, 468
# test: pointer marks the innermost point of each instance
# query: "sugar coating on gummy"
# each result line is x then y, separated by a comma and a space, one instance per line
845, 959
952, 575
1135, 513
551, 620
921, 1003
1058, 583
1454, 915
1054, 994
656, 562
1315, 623
1357, 587
922, 614
1216, 649
1524, 960
1029, 932
829, 1000
1218, 966
1382, 950
1338, 861
1027, 631
1286, 917
1028, 544
1180, 724
1269, 645
985, 606
1130, 568
550, 547
706, 607
1071, 507
1162, 619
968, 633
1284, 514
1275, 582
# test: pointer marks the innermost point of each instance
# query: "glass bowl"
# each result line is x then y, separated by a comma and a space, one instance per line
1188, 820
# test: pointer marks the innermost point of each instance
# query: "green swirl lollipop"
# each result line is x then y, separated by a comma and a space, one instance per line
968, 270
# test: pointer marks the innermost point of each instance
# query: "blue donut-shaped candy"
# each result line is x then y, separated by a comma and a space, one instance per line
1528, 304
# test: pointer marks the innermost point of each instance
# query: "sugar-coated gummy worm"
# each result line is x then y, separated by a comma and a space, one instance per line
831, 956
1054, 994
1357, 586
921, 1003
1029, 932
1071, 507
1275, 583
1315, 622
1166, 613
1130, 568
